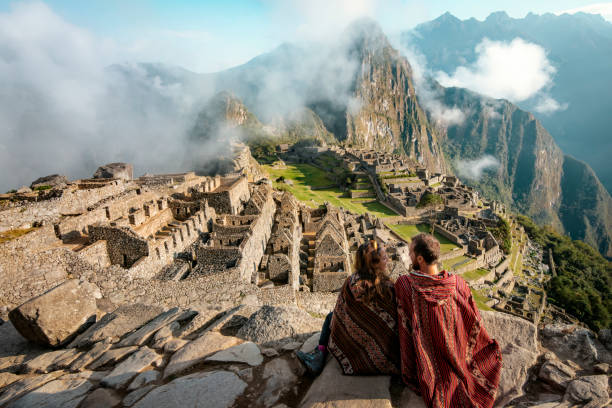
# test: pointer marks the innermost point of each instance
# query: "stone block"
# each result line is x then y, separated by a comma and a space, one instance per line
328, 281
58, 315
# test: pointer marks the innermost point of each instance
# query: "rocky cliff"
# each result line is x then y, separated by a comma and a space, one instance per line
533, 176
360, 87
389, 117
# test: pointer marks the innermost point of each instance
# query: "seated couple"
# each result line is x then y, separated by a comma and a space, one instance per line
426, 327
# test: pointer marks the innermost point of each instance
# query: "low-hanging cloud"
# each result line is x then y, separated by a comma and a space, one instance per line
62, 110
475, 168
429, 97
516, 71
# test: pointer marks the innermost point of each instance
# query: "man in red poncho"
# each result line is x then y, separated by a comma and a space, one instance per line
446, 352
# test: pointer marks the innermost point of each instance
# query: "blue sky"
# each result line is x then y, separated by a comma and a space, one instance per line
212, 35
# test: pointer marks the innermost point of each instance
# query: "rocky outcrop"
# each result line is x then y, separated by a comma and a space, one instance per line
54, 180
56, 316
517, 339
272, 324
575, 343
214, 368
123, 171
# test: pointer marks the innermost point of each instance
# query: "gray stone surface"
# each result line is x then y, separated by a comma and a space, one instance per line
242, 353
575, 343
25, 385
123, 171
111, 356
115, 325
311, 343
605, 337
586, 389
54, 394
274, 323
87, 357
142, 335
164, 335
93, 376
143, 379
556, 373
56, 316
332, 389
43, 362
135, 395
53, 180
128, 369
8, 378
217, 389
197, 350
411, 400
174, 345
518, 342
15, 349
102, 398
280, 378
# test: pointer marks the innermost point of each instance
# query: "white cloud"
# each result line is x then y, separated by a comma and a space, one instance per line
605, 9
547, 105
474, 169
429, 97
515, 71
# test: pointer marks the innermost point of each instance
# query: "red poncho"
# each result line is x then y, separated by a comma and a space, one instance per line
446, 352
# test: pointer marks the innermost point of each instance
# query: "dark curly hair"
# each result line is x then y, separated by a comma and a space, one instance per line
426, 246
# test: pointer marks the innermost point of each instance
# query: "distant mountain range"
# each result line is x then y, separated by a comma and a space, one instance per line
361, 92
579, 46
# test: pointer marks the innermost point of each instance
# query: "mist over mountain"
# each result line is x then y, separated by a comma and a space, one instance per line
531, 173
573, 99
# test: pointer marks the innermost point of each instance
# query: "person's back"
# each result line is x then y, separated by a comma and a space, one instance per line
446, 352
361, 333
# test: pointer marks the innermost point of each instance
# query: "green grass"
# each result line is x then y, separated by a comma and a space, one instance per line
305, 176
450, 263
409, 231
474, 275
10, 235
480, 300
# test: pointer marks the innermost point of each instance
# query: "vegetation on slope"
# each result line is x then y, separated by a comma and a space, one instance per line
583, 285
503, 235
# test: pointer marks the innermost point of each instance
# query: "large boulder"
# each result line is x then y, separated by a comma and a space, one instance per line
54, 180
272, 324
58, 315
517, 339
576, 343
123, 171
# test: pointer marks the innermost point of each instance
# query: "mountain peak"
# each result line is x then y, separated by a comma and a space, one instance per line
498, 16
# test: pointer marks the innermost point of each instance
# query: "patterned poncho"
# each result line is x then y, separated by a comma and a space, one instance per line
364, 338
446, 352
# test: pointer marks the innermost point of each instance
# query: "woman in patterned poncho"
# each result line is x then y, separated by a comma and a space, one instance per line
446, 352
361, 333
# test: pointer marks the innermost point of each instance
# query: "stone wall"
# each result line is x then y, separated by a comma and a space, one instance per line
229, 197
123, 245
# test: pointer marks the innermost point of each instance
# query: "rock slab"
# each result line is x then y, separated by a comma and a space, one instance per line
196, 351
242, 353
123, 171
332, 389
56, 316
57, 393
517, 339
130, 368
217, 389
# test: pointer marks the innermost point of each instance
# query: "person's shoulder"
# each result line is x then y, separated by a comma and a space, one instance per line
402, 282
462, 287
